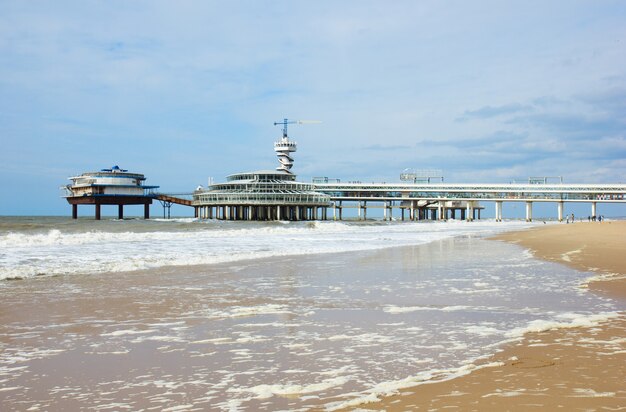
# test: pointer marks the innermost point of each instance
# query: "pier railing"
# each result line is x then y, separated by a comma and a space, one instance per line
184, 199
486, 192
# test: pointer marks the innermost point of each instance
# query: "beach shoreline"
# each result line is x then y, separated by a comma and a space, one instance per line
315, 316
579, 368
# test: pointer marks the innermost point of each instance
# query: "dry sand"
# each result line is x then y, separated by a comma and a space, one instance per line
562, 369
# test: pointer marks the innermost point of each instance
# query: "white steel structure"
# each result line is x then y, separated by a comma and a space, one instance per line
261, 195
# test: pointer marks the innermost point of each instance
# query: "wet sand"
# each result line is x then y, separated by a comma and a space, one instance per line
568, 369
282, 333
201, 337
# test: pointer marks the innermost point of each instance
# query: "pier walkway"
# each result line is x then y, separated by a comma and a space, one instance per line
168, 199
441, 199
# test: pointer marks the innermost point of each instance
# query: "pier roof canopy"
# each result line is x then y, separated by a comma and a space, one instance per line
261, 175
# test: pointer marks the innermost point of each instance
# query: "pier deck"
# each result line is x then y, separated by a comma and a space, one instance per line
443, 196
437, 201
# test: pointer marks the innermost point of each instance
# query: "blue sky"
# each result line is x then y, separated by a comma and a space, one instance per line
488, 91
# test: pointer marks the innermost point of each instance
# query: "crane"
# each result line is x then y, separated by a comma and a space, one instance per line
285, 122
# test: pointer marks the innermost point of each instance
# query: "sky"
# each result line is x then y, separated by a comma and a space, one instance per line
487, 91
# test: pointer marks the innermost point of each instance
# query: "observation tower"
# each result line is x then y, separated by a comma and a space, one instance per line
284, 147
264, 194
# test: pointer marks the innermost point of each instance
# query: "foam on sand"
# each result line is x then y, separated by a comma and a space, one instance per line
267, 391
389, 388
569, 320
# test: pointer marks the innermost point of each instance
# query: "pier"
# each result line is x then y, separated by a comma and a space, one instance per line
277, 195
407, 201
445, 201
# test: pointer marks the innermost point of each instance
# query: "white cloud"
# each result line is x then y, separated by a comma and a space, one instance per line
198, 84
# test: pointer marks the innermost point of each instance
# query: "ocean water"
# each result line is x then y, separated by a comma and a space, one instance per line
204, 315
37, 246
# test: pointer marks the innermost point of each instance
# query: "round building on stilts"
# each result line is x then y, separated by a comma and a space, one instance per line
112, 186
264, 194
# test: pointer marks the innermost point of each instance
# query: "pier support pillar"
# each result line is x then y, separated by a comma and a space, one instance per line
74, 211
385, 212
120, 212
146, 211
334, 211
560, 211
402, 210
277, 212
529, 211
359, 211
97, 211
499, 211
594, 209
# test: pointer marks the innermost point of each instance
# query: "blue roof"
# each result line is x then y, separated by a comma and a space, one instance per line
115, 168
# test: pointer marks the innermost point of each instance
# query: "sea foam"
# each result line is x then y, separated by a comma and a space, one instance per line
98, 251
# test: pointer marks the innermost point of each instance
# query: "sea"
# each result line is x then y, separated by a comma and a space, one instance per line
192, 315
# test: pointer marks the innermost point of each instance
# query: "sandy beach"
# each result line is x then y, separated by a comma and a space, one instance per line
580, 368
